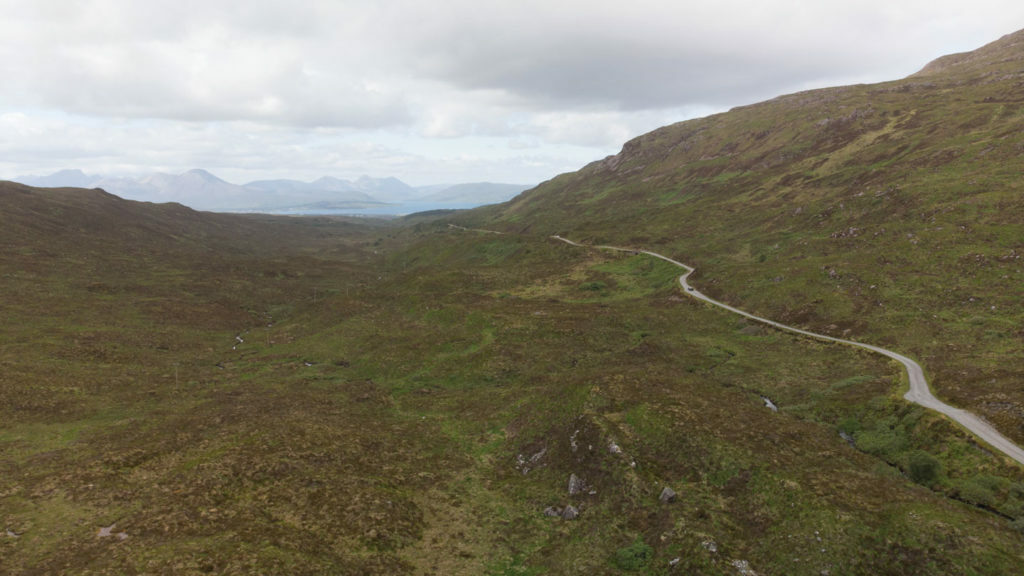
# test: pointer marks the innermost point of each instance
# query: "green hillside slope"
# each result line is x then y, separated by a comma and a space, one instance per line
891, 213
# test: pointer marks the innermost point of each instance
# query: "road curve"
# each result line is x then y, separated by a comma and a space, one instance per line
919, 392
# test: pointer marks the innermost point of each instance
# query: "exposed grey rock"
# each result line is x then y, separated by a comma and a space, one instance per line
570, 513
743, 567
614, 448
576, 485
524, 464
849, 439
710, 546
553, 511
108, 531
674, 561
667, 495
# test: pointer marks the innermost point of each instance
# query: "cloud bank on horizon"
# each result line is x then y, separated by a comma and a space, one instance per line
450, 90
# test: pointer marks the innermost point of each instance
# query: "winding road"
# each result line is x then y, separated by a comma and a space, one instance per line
919, 392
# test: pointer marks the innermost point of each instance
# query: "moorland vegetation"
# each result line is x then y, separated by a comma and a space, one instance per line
186, 392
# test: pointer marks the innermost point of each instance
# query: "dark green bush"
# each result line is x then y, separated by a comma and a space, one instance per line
635, 556
923, 468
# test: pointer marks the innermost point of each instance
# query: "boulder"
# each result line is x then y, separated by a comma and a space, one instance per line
667, 495
576, 485
570, 513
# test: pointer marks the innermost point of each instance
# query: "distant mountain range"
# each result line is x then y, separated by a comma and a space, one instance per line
202, 190
483, 192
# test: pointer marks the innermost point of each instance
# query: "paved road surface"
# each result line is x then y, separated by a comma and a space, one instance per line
919, 392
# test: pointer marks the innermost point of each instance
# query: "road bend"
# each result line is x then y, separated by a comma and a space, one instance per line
919, 392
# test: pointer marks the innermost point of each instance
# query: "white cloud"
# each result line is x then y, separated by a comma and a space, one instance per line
425, 88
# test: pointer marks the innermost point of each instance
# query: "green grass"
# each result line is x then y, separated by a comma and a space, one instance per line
397, 449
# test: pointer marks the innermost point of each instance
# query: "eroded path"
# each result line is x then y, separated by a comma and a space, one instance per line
919, 392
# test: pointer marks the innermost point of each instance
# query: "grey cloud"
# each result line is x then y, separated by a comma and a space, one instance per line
647, 54
623, 79
216, 62
408, 86
359, 64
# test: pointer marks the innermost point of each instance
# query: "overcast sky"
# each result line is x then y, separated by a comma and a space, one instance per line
429, 91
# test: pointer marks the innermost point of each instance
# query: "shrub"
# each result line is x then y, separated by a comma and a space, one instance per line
923, 468
881, 442
977, 492
635, 556
850, 425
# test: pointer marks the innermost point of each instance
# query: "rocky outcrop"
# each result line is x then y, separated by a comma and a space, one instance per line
570, 512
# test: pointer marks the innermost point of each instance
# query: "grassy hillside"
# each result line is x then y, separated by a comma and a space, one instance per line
891, 213
195, 393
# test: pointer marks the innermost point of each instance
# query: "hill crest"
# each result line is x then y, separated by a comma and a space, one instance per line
1006, 52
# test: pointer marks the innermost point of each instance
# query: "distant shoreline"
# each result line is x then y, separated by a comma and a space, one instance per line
388, 210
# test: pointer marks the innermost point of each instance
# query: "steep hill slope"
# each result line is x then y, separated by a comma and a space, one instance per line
891, 213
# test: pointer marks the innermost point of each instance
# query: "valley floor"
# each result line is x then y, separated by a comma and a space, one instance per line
329, 397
